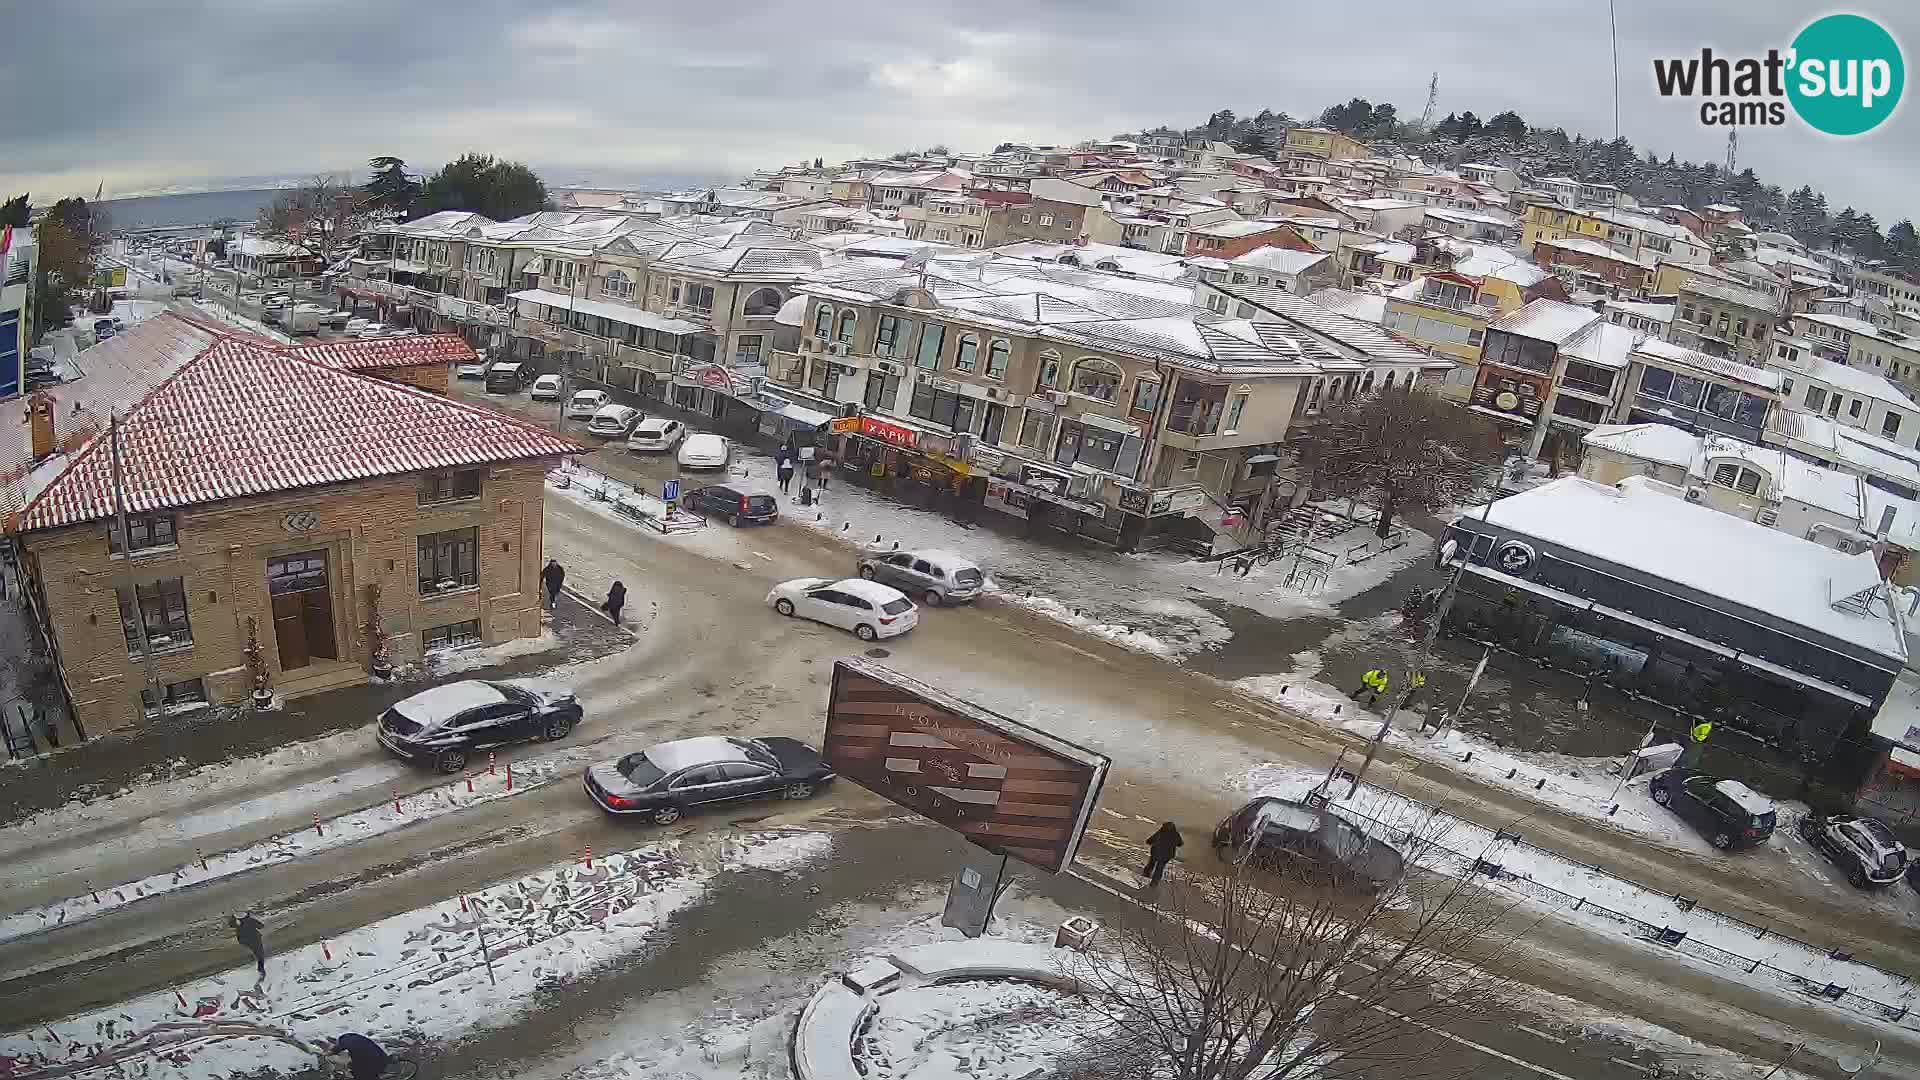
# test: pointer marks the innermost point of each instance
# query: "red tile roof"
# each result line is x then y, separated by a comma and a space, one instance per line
379, 353
244, 419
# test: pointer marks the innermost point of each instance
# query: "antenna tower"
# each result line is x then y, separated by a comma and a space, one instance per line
1433, 95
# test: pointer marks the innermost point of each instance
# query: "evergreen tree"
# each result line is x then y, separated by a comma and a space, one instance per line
478, 182
1507, 125
388, 186
1220, 124
1255, 140
1448, 127
1903, 246
1845, 231
16, 211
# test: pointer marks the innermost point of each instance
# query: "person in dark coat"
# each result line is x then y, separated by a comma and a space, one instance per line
246, 930
786, 475
1160, 850
823, 470
553, 577
616, 599
365, 1057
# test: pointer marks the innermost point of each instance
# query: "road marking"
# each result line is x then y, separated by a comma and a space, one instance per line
1630, 1065
1541, 1034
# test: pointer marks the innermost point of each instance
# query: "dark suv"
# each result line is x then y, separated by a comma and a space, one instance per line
1727, 812
1862, 846
736, 504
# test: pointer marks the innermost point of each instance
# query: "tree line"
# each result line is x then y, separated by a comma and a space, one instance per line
327, 210
68, 236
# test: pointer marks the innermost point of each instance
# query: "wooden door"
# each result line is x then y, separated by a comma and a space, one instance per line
302, 608
290, 630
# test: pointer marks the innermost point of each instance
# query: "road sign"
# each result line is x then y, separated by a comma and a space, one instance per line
670, 492
1009, 788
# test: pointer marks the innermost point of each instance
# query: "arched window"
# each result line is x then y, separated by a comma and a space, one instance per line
1049, 369
763, 302
967, 353
847, 319
1387, 385
997, 353
1366, 384
1097, 378
822, 321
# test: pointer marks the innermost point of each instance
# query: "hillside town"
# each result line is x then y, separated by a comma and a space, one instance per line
1589, 527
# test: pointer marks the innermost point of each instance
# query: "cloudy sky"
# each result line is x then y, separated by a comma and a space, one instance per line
143, 94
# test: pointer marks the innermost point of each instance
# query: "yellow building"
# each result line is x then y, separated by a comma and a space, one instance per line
1447, 309
1550, 221
1324, 143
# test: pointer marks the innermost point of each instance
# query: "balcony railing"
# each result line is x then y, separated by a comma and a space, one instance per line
1471, 306
1587, 386
1197, 418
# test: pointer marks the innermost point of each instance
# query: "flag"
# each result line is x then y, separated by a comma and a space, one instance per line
6, 241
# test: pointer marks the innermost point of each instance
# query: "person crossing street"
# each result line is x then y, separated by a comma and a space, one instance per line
246, 930
1161, 847
1373, 683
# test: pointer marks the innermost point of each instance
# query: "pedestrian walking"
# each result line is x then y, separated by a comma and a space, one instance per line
246, 930
823, 470
1416, 682
616, 599
786, 476
553, 576
1373, 683
1161, 846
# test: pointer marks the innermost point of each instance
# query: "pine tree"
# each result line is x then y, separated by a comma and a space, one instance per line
496, 189
1255, 140
388, 186
16, 211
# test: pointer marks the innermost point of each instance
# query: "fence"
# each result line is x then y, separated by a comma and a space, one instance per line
624, 499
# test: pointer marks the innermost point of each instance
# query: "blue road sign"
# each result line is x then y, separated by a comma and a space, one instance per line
671, 492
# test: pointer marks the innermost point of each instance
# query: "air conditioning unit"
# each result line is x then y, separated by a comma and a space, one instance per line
1694, 494
993, 392
886, 367
1058, 397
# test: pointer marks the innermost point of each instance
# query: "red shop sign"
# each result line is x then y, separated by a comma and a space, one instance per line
715, 376
888, 433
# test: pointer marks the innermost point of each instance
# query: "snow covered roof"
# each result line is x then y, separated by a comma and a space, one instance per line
1732, 370
1547, 320
1604, 343
262, 247
1742, 563
1280, 260
1232, 229
1701, 285
1662, 443
624, 314
1367, 307
1858, 449
1596, 249
1486, 260
243, 418
1656, 312
1856, 381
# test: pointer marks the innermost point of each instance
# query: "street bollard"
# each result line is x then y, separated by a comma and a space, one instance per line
177, 996
326, 953
509, 776
463, 903
203, 859
316, 826
396, 800
589, 858
469, 781
489, 763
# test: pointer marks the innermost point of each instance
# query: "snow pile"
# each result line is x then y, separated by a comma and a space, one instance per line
334, 833
985, 1029
452, 661
1120, 634
779, 852
419, 972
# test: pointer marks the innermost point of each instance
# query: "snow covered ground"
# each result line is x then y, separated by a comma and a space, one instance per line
988, 1029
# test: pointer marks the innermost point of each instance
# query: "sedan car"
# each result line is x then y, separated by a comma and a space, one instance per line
441, 726
656, 433
546, 388
613, 421
1863, 847
703, 451
475, 370
584, 403
869, 609
1727, 812
1282, 834
737, 504
668, 779
936, 577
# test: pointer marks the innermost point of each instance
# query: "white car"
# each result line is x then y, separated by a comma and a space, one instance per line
656, 433
371, 330
869, 609
546, 388
703, 451
584, 403
613, 421
357, 324
476, 369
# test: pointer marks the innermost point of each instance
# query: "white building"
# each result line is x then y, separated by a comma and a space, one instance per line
1846, 395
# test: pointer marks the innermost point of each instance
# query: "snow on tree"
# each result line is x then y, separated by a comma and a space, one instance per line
1405, 448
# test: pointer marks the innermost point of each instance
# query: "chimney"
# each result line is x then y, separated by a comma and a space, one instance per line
40, 417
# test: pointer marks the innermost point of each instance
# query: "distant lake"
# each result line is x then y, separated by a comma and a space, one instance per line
199, 208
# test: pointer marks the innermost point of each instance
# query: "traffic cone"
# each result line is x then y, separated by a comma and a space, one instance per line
509, 776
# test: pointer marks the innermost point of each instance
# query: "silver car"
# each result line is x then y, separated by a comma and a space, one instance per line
934, 576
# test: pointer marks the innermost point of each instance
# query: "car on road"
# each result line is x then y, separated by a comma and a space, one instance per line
656, 433
1285, 835
546, 388
509, 378
584, 403
736, 503
371, 330
668, 779
869, 609
1862, 847
701, 450
1727, 812
442, 726
935, 576
475, 369
613, 421
357, 324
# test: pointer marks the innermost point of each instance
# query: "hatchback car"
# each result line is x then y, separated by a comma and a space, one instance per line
546, 388
441, 726
737, 504
656, 433
1283, 834
869, 609
584, 403
613, 421
665, 781
474, 370
1863, 847
936, 577
703, 451
1727, 812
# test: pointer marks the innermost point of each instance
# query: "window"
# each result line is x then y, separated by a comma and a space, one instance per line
1728, 474
1049, 370
1097, 378
184, 696
1890, 424
881, 390
762, 302
1686, 313
1035, 428
442, 637
147, 530
746, 351
699, 297
1217, 304
1816, 398
160, 608
966, 352
449, 560
933, 337
1026, 219
1238, 404
1853, 408
1740, 328
822, 321
617, 284
941, 406
997, 359
886, 335
438, 487
1046, 220
826, 379
848, 320
1146, 395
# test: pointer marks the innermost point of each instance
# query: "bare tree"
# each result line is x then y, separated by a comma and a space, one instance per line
1281, 971
1405, 444
321, 214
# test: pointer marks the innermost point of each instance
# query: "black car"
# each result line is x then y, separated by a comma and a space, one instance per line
738, 505
666, 780
1862, 846
1727, 812
1281, 833
441, 726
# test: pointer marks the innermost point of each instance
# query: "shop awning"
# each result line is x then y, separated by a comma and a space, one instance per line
620, 313
1807, 681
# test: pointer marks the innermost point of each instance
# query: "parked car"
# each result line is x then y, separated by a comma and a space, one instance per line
737, 504
668, 779
613, 421
477, 369
1727, 812
935, 576
703, 451
584, 403
656, 433
509, 378
104, 329
546, 388
357, 324
371, 330
1863, 847
869, 609
1278, 832
441, 726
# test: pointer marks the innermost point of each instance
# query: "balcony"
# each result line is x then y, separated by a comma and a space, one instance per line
1479, 307
1599, 391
